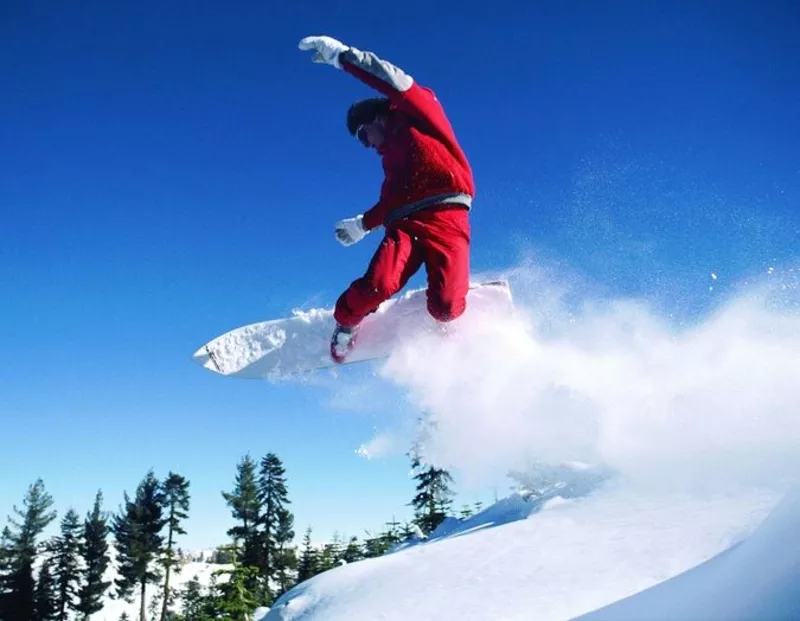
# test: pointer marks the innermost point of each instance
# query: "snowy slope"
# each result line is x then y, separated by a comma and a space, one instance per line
516, 562
757, 579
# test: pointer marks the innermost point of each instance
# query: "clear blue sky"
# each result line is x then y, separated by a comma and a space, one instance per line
171, 170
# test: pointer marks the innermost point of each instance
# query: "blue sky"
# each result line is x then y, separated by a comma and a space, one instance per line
173, 170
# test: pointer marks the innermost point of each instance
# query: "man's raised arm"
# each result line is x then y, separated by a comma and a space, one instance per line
391, 81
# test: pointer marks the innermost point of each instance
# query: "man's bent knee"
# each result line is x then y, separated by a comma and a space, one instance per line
378, 288
446, 310
362, 298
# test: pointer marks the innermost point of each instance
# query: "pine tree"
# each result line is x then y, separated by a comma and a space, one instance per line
46, 604
176, 503
233, 600
19, 550
375, 546
331, 553
66, 554
20, 604
352, 552
94, 551
273, 496
6, 565
246, 507
433, 500
192, 601
409, 530
309, 563
392, 535
222, 556
382, 542
285, 556
154, 607
137, 530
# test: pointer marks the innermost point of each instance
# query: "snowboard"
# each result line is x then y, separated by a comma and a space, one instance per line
300, 344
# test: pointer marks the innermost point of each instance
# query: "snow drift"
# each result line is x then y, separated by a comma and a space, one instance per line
755, 579
521, 560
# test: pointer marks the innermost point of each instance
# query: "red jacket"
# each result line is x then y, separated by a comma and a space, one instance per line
423, 163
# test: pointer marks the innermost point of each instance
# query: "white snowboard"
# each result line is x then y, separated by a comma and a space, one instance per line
301, 344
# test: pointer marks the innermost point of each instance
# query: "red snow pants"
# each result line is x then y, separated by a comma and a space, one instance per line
437, 238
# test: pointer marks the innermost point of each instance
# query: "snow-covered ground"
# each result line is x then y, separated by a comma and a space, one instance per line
756, 579
565, 558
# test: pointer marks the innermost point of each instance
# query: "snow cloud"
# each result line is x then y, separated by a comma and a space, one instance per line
580, 377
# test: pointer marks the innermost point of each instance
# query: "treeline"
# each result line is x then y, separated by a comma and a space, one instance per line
65, 577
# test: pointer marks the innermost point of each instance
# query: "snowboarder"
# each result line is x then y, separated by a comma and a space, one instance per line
425, 197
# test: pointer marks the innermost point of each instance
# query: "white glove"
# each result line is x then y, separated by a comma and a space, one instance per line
350, 230
327, 49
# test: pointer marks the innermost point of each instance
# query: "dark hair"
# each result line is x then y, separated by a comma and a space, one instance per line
366, 111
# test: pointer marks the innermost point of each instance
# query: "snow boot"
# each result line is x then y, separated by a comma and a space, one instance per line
342, 342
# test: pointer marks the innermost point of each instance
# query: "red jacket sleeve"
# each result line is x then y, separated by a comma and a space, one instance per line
402, 91
375, 216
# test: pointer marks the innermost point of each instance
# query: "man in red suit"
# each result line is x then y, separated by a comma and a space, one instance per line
424, 201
